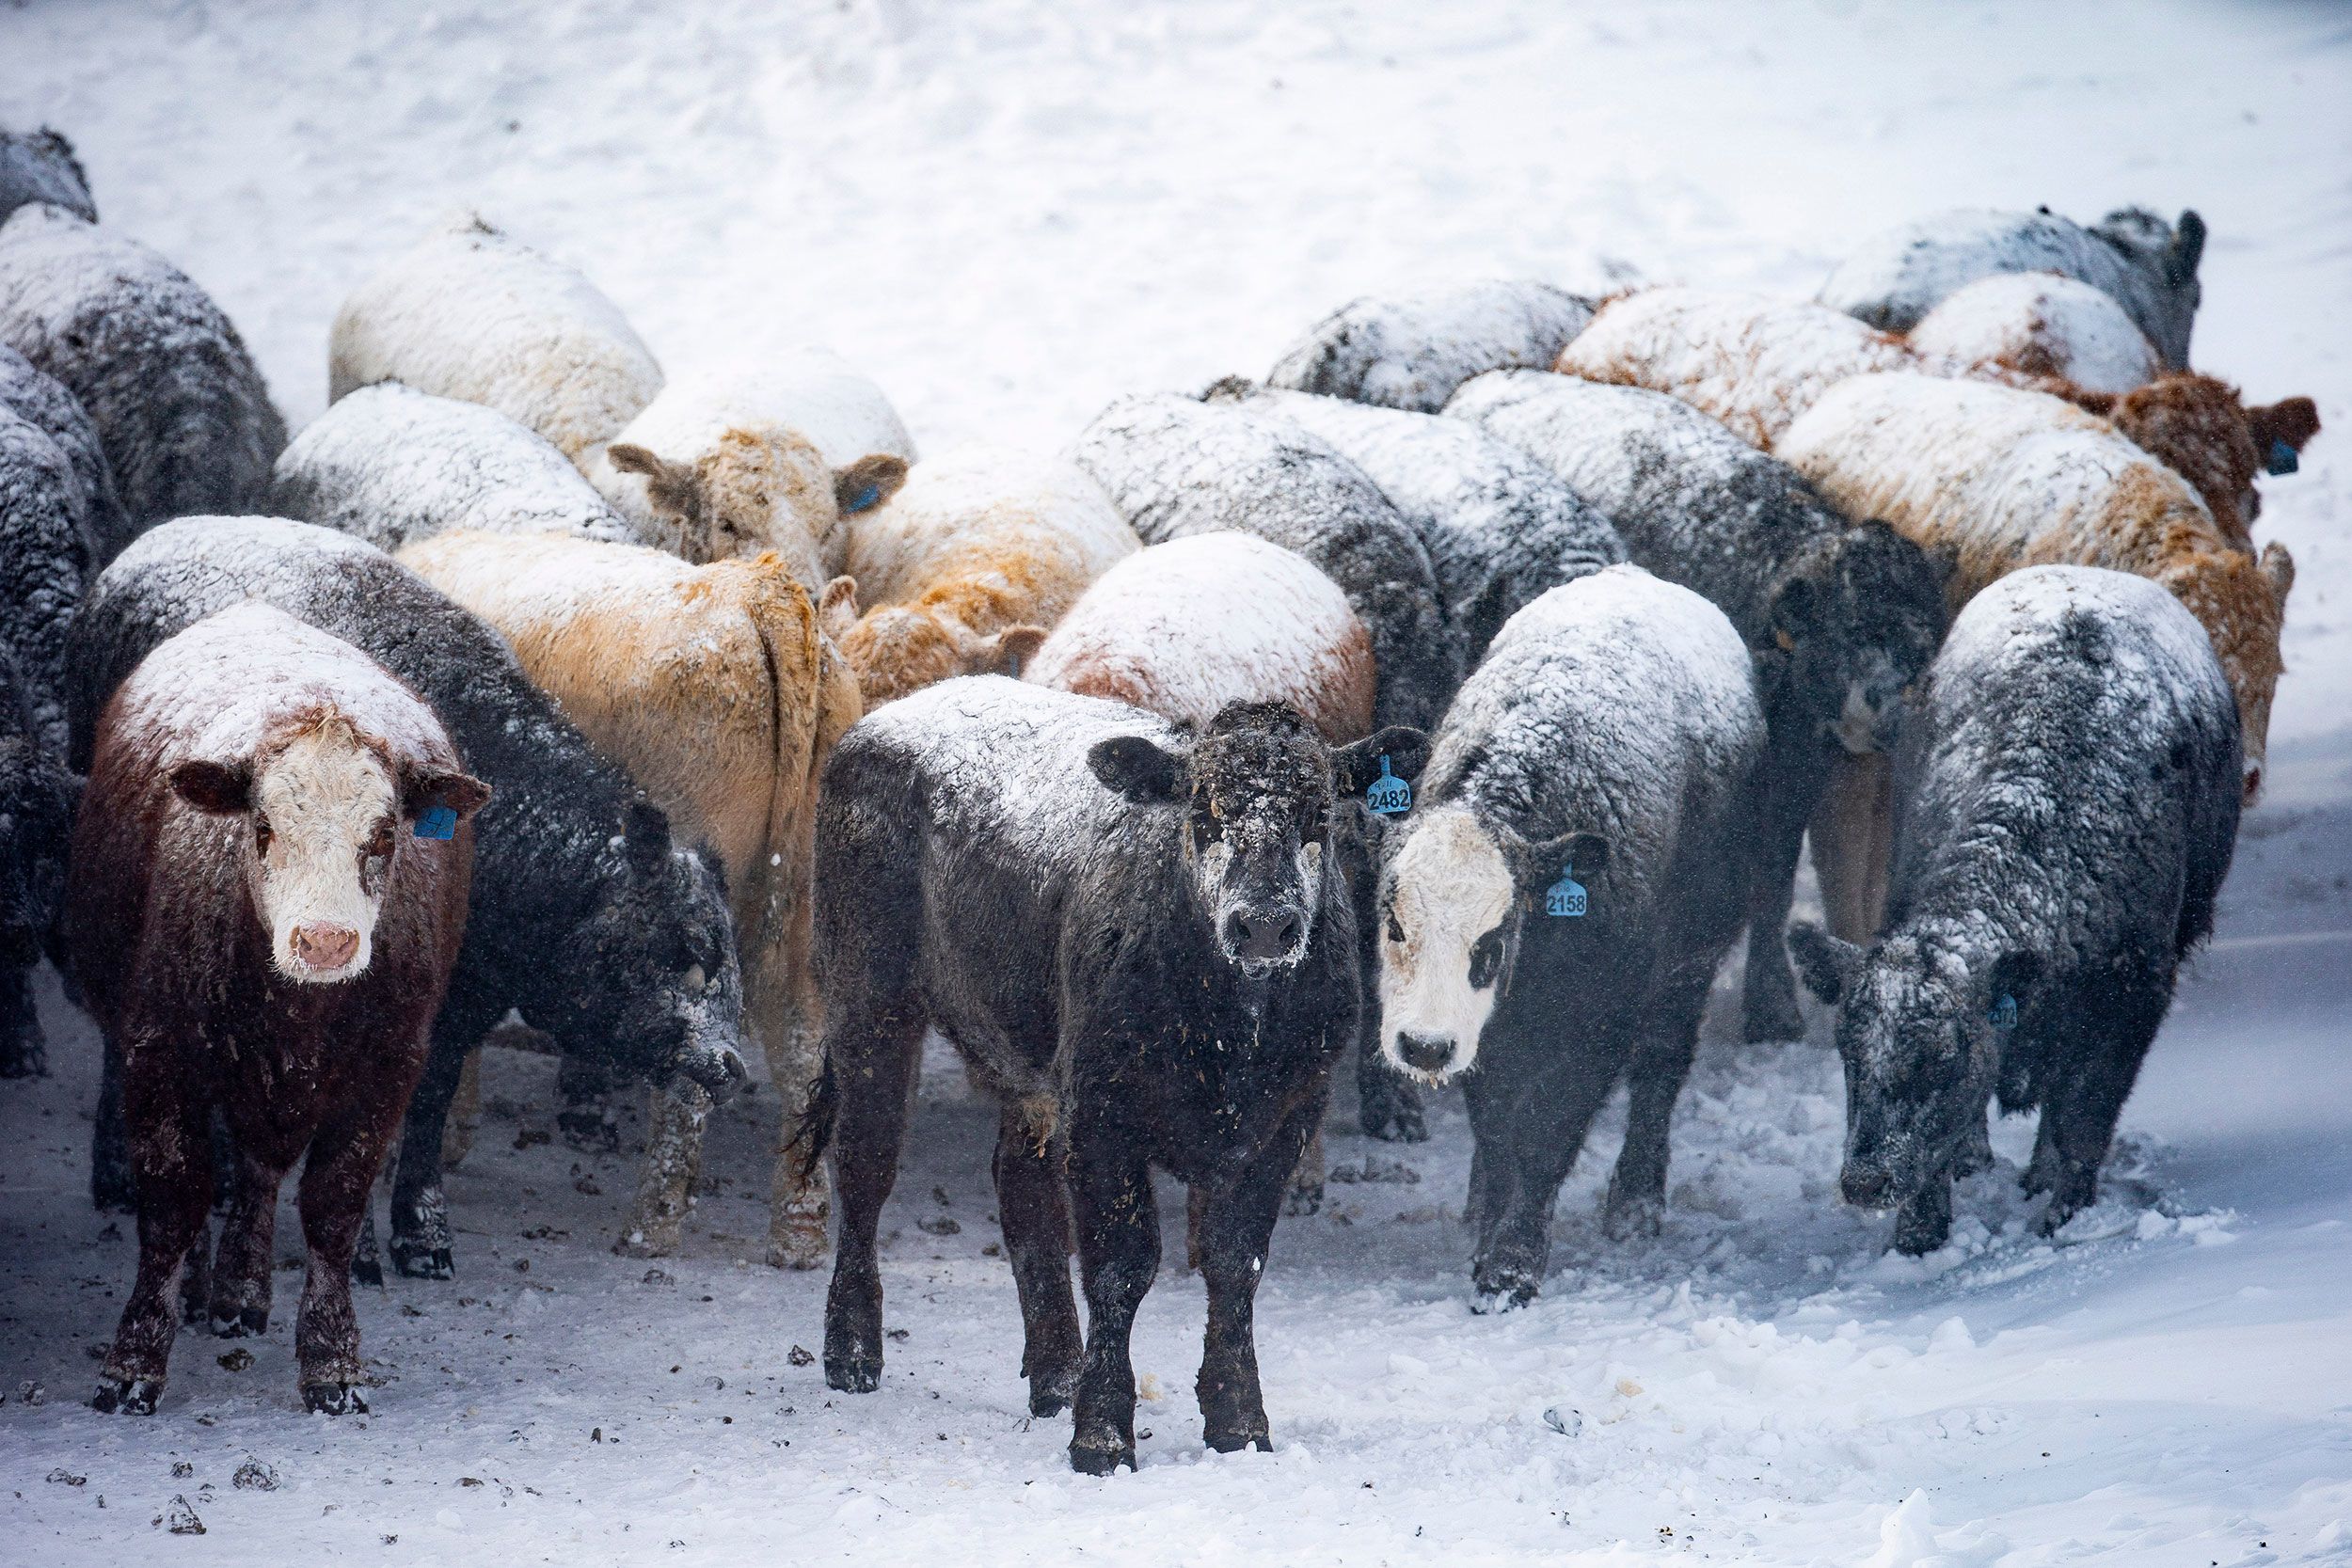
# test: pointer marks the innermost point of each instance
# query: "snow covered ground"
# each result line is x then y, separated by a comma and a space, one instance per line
1009, 214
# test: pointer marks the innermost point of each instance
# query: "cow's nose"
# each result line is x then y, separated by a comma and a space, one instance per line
1262, 938
1425, 1053
324, 946
1865, 1186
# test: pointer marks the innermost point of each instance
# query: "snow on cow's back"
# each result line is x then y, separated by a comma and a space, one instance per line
2157, 657
1003, 760
2042, 323
218, 687
977, 507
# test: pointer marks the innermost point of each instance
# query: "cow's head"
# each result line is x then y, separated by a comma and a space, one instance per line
2168, 255
661, 941
2241, 601
1920, 1032
1257, 790
330, 810
759, 487
1453, 902
899, 649
1854, 624
2202, 430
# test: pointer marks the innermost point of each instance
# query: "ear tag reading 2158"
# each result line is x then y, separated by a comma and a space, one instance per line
1567, 896
1389, 794
440, 822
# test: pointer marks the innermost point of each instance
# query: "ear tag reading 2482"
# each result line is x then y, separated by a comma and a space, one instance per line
1566, 896
1389, 794
2003, 1013
440, 822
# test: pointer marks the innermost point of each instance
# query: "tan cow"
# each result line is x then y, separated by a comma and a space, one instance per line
967, 567
713, 688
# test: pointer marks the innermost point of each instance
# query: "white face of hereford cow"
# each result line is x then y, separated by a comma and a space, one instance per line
325, 813
1445, 922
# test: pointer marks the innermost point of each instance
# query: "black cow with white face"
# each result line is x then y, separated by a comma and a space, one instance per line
1144, 944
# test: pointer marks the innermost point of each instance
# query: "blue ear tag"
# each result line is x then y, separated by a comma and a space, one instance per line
2283, 458
2003, 1013
1566, 896
866, 499
440, 822
1389, 794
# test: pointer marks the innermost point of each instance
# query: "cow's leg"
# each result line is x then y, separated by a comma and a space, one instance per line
337, 1177
1491, 1171
464, 1113
800, 1206
23, 1049
1235, 1234
241, 1272
1545, 1129
1034, 1206
1767, 1000
870, 1060
679, 1110
2122, 1014
1119, 1253
1661, 1064
1853, 833
420, 1231
111, 1186
174, 1175
587, 1120
1307, 1178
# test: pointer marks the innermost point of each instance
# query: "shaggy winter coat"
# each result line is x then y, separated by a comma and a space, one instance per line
43, 400
178, 959
472, 314
2145, 264
40, 166
37, 796
182, 411
1411, 352
713, 687
1174, 467
586, 918
45, 560
1500, 529
962, 572
2204, 432
2069, 806
1994, 479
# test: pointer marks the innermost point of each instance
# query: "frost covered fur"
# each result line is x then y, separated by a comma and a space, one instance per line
1500, 529
2204, 432
1838, 617
2041, 324
2069, 806
1994, 479
772, 454
1611, 735
1174, 467
393, 466
182, 411
472, 314
713, 688
37, 796
964, 570
43, 400
40, 166
2143, 264
1412, 351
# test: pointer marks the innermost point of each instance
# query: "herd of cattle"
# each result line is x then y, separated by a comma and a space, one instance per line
1461, 692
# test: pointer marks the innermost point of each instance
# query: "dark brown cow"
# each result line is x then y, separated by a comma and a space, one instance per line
267, 889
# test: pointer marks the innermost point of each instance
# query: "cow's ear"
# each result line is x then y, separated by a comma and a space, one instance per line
2185, 251
2289, 423
2012, 975
645, 837
1138, 770
2278, 566
671, 488
868, 482
1356, 764
837, 611
220, 788
1828, 964
1007, 652
458, 792
1536, 863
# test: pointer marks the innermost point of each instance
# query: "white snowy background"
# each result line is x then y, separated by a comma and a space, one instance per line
1009, 212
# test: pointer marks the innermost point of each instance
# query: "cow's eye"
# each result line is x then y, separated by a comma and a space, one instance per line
1396, 929
379, 845
1485, 960
262, 834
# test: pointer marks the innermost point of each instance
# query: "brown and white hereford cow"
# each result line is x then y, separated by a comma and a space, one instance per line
965, 569
267, 889
713, 689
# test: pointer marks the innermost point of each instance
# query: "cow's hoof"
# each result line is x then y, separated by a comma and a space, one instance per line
1392, 1112
1044, 1399
1305, 1199
797, 1247
853, 1373
1626, 1218
246, 1322
1232, 1439
1101, 1453
334, 1399
1501, 1288
366, 1270
420, 1262
647, 1243
127, 1395
1771, 1018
